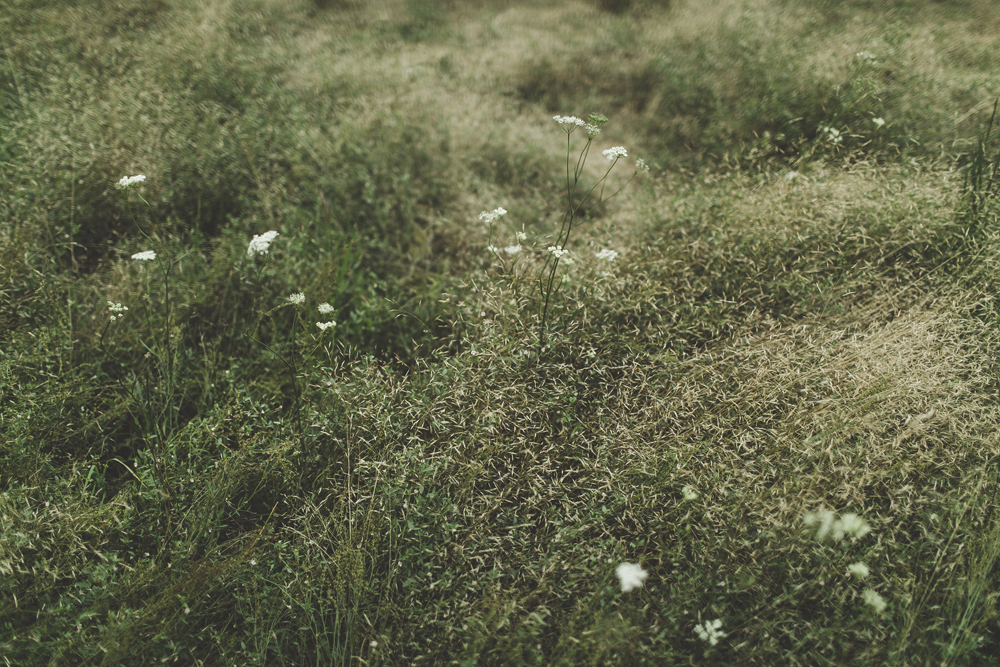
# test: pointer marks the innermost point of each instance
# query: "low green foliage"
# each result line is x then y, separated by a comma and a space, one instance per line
760, 428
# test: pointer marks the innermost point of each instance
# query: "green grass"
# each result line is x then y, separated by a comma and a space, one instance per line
794, 324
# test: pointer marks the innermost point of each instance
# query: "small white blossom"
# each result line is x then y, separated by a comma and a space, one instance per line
859, 570
846, 526
493, 249
296, 298
489, 217
866, 56
117, 310
874, 599
710, 632
592, 130
323, 326
614, 153
557, 250
569, 123
521, 236
607, 255
187, 610
879, 122
630, 576
512, 249
145, 255
325, 308
127, 182
641, 164
260, 243
832, 134
373, 644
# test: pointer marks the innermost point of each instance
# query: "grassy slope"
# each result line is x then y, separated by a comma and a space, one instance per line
445, 494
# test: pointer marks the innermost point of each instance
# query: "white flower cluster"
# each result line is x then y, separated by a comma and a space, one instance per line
832, 134
641, 164
489, 217
846, 526
521, 236
614, 153
296, 298
874, 599
859, 570
260, 243
710, 632
117, 310
145, 255
325, 308
630, 576
879, 122
557, 250
512, 249
867, 56
127, 182
606, 255
323, 326
570, 123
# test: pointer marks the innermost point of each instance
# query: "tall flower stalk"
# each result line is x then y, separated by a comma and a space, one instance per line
574, 213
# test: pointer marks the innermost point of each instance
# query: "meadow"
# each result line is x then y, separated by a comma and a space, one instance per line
399, 354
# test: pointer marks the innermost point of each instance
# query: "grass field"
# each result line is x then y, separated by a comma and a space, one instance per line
760, 363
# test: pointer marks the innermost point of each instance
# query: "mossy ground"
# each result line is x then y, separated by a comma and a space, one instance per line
797, 321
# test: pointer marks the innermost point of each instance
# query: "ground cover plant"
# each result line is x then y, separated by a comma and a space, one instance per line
326, 342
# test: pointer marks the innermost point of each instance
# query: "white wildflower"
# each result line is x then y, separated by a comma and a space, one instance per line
260, 243
296, 298
710, 632
832, 134
323, 326
825, 520
117, 310
631, 576
489, 217
879, 122
521, 236
127, 182
614, 153
641, 164
557, 250
145, 255
860, 570
493, 249
373, 644
512, 249
592, 130
850, 524
325, 308
874, 599
569, 123
865, 55
689, 493
607, 255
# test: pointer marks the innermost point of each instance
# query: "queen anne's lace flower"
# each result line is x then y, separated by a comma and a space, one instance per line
630, 576
127, 182
323, 326
859, 570
607, 255
569, 123
145, 255
557, 250
260, 243
296, 298
325, 308
874, 599
117, 310
489, 217
710, 632
614, 153
521, 236
512, 249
